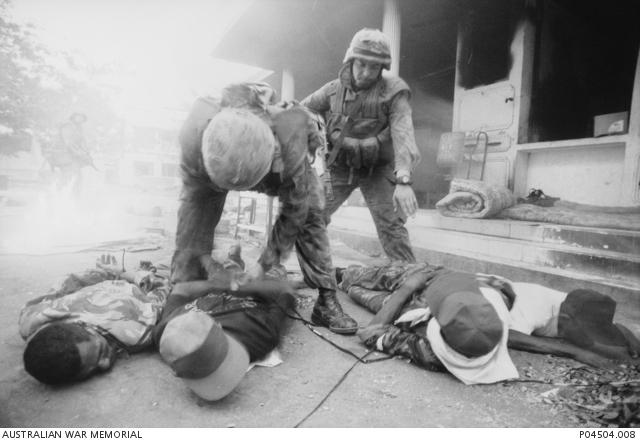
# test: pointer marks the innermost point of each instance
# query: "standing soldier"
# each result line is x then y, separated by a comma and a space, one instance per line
371, 141
70, 153
229, 144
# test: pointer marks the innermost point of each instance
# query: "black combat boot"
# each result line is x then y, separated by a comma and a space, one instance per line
327, 312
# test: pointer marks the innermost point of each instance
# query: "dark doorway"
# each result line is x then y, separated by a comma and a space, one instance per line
584, 65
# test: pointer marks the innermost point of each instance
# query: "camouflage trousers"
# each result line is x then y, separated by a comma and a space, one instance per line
377, 188
371, 287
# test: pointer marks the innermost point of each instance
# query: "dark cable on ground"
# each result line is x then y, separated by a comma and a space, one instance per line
364, 360
342, 349
344, 376
359, 359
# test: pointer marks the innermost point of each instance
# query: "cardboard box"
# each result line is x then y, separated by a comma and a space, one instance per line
611, 124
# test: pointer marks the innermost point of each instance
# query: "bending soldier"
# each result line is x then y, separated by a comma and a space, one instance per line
229, 144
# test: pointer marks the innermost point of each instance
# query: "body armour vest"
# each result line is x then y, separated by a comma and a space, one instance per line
372, 116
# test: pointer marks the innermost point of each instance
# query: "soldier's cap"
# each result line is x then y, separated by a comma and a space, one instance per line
209, 361
468, 322
468, 332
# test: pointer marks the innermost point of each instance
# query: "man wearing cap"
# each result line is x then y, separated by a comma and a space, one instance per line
242, 141
578, 324
440, 322
439, 319
210, 334
371, 140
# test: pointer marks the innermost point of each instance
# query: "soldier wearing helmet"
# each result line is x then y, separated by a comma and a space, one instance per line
68, 154
371, 140
243, 141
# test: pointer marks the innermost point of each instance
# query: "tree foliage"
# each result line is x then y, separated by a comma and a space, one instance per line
40, 88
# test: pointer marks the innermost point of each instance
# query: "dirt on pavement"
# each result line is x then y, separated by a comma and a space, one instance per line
316, 385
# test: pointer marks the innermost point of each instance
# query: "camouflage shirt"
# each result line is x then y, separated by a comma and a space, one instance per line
296, 186
121, 309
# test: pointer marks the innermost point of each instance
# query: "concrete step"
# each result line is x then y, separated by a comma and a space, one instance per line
606, 240
606, 258
601, 264
613, 240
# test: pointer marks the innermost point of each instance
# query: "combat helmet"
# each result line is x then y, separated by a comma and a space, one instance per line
371, 45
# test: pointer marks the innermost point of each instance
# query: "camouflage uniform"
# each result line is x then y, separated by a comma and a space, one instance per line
69, 155
296, 184
118, 309
384, 112
371, 287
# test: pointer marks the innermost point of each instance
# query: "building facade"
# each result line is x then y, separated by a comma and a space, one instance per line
554, 84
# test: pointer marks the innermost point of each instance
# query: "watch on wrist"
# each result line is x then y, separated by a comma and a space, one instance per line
405, 179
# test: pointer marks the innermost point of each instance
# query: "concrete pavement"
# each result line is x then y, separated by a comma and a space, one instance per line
141, 391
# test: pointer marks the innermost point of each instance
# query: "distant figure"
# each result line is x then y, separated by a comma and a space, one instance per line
70, 153
371, 140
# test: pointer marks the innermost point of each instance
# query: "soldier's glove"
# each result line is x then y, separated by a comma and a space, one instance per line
351, 149
369, 149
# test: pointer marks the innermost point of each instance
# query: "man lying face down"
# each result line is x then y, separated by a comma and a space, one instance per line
79, 329
463, 322
578, 324
209, 334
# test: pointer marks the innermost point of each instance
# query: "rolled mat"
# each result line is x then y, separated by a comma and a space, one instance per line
475, 199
